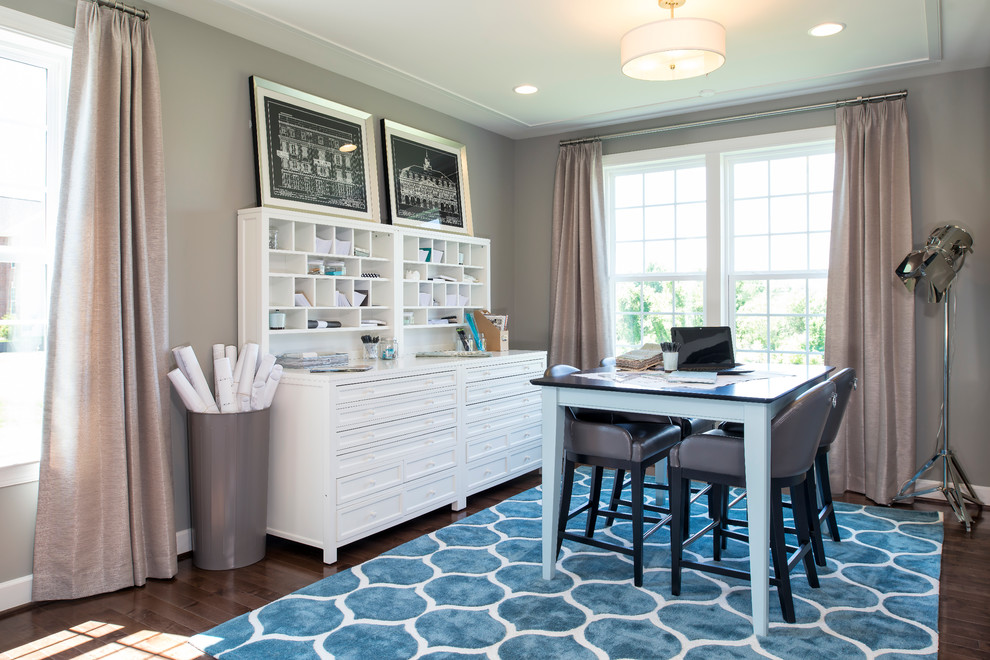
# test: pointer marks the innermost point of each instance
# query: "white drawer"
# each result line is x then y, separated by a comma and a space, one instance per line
486, 446
394, 386
486, 471
523, 460
527, 416
478, 411
496, 389
354, 521
430, 492
418, 466
522, 436
364, 459
409, 426
374, 411
365, 483
530, 369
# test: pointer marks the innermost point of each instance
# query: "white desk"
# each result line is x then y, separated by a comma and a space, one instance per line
754, 403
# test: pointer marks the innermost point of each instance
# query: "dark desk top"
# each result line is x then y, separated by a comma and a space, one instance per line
783, 381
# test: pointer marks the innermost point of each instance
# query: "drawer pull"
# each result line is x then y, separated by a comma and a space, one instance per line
525, 435
429, 422
430, 402
372, 514
431, 493
371, 483
429, 382
486, 408
487, 472
370, 457
487, 447
488, 391
526, 459
431, 464
487, 426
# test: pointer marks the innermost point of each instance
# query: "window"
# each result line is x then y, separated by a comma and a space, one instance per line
34, 61
725, 233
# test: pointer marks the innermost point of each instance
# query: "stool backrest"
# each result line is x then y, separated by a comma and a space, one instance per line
845, 383
797, 429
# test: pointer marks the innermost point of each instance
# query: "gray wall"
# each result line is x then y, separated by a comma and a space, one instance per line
950, 161
210, 174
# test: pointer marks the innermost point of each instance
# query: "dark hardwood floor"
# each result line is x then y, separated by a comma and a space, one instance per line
154, 621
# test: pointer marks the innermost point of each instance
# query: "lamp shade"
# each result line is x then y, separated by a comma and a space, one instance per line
937, 264
673, 49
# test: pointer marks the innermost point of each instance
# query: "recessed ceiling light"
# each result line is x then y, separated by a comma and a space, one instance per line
347, 148
526, 89
826, 29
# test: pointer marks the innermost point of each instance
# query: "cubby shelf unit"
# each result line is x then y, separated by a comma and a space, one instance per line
370, 278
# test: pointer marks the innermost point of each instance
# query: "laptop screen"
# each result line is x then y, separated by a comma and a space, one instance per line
704, 346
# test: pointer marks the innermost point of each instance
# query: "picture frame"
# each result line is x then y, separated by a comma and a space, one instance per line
426, 180
313, 154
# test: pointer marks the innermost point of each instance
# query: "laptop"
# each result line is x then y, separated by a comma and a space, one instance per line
706, 348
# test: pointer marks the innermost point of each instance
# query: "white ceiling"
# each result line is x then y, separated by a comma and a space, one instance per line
464, 57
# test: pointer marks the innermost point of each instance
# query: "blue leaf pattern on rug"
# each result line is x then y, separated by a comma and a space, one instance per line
475, 589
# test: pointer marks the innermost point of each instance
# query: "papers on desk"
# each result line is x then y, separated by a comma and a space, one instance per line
659, 380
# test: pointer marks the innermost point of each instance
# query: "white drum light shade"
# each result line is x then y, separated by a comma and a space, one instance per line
673, 49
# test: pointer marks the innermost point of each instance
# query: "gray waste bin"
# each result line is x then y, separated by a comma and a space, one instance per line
228, 474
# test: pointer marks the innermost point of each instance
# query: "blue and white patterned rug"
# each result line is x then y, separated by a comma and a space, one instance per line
474, 590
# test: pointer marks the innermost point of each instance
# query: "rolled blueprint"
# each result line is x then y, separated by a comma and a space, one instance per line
186, 392
248, 363
224, 379
264, 368
185, 358
270, 386
258, 395
218, 351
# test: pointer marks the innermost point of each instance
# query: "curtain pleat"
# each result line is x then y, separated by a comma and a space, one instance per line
581, 325
870, 315
105, 506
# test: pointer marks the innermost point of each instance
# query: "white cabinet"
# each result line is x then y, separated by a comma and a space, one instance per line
337, 278
353, 454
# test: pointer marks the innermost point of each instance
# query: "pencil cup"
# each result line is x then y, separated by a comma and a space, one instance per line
670, 361
371, 351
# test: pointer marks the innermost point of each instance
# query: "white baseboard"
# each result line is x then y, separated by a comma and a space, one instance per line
183, 541
983, 492
17, 592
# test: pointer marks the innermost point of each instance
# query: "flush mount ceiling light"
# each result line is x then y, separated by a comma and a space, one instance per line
525, 89
826, 29
673, 49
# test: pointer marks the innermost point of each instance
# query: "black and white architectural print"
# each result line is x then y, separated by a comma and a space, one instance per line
427, 180
313, 154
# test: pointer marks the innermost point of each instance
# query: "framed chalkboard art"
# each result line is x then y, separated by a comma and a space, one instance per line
313, 154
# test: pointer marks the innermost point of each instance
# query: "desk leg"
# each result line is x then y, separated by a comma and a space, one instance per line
553, 443
757, 449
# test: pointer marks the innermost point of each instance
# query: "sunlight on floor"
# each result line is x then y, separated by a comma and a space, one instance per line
143, 644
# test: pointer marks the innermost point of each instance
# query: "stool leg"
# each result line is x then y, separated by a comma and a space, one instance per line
716, 504
804, 516
778, 552
620, 476
678, 525
825, 488
566, 487
638, 476
807, 488
594, 497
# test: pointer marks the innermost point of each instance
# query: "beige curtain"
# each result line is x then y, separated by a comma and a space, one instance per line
581, 324
870, 315
105, 509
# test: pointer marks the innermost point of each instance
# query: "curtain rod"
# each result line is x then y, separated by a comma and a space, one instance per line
127, 9
726, 120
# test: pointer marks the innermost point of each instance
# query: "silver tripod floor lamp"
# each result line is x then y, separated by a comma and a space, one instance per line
936, 266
